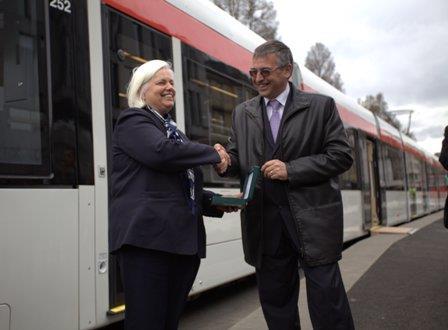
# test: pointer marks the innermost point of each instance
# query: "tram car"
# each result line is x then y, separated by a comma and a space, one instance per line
64, 66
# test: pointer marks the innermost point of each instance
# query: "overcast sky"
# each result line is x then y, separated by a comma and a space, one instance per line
398, 47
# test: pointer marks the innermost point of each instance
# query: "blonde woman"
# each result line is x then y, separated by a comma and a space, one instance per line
156, 225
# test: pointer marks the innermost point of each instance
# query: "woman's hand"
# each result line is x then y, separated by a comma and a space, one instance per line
225, 159
228, 209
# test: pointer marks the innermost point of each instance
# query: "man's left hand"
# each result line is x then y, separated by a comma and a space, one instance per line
275, 170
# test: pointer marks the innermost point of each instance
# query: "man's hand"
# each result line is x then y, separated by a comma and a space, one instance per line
275, 170
225, 159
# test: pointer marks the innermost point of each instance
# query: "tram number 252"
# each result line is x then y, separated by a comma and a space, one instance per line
62, 5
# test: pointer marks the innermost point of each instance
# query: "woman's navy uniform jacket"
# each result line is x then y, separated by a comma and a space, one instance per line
150, 205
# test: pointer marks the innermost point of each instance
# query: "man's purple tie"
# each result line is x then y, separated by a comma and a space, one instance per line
275, 117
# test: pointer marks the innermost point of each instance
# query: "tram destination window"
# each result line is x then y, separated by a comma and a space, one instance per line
24, 113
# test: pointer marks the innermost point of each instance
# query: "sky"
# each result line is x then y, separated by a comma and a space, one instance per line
397, 47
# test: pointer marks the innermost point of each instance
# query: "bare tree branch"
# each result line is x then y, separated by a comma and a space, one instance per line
378, 105
320, 61
258, 15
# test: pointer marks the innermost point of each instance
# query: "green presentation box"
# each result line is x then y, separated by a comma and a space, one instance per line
248, 192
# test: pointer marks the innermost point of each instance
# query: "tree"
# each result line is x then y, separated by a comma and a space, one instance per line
258, 15
320, 61
411, 135
378, 105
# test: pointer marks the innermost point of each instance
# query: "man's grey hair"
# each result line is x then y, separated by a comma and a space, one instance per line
284, 55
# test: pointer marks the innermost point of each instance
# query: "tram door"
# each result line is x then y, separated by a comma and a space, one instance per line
128, 44
369, 181
370, 146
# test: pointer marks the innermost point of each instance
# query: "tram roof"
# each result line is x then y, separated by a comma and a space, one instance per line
207, 12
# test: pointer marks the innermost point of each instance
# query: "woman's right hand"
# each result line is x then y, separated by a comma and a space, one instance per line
225, 159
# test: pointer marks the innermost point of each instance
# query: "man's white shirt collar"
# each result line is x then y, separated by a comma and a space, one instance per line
281, 98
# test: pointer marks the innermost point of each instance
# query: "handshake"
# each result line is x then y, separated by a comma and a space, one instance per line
273, 169
225, 159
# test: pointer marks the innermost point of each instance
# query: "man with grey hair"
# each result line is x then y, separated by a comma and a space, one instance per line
296, 215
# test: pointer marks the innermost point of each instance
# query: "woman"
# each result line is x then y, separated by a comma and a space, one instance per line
156, 225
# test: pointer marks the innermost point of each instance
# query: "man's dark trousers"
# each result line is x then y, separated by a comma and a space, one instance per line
278, 286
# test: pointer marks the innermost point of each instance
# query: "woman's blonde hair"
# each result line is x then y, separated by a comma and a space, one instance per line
140, 76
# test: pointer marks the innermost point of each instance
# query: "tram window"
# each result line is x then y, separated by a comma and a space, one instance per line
24, 113
415, 168
212, 91
130, 45
431, 172
393, 168
214, 97
418, 173
349, 179
443, 178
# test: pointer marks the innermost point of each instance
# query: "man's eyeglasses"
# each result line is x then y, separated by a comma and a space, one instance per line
265, 72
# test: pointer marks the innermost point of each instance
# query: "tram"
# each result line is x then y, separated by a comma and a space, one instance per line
64, 66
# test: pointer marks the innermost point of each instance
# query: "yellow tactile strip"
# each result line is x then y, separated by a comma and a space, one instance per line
393, 230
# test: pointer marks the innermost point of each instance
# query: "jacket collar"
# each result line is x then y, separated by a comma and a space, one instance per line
254, 110
299, 102
158, 122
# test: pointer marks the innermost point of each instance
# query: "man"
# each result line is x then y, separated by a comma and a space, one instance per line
443, 158
299, 141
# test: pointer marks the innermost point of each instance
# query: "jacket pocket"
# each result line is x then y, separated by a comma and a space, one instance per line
321, 232
157, 213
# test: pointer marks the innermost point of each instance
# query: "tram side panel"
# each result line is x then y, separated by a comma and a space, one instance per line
39, 257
